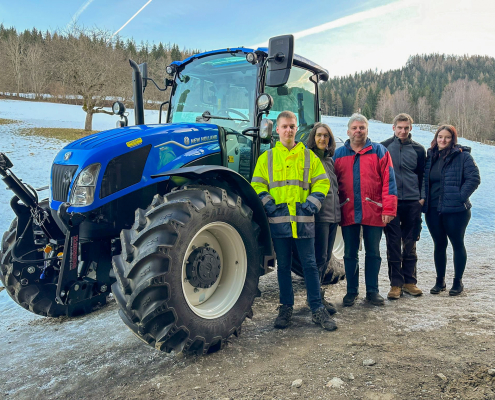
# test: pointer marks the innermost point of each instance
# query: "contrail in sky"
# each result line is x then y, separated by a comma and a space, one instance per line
123, 26
350, 19
79, 12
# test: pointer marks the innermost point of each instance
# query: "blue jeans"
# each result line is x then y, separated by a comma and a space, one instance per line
306, 250
372, 236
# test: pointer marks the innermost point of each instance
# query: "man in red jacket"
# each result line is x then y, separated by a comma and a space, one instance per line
368, 199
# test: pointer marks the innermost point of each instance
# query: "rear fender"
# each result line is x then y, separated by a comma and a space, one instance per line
226, 178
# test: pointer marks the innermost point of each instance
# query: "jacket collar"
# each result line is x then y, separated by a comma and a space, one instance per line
407, 140
366, 148
296, 149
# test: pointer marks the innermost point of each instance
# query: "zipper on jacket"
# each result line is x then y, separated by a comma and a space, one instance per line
345, 202
374, 202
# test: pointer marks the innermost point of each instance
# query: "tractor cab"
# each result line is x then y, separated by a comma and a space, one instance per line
241, 91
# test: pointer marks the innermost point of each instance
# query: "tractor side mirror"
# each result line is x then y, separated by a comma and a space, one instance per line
280, 56
144, 73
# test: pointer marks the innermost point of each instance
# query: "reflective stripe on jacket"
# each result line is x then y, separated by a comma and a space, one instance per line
291, 185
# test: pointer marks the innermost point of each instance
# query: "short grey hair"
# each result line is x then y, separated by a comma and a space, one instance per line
357, 117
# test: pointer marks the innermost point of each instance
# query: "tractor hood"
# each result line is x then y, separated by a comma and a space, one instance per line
128, 157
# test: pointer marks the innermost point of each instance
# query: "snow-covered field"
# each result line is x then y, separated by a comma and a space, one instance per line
32, 156
96, 356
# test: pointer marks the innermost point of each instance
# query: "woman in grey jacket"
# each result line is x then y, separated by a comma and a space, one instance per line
322, 142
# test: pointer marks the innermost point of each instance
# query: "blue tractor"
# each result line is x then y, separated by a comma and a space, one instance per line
164, 213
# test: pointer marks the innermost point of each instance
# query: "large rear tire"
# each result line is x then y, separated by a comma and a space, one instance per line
189, 270
335, 270
23, 284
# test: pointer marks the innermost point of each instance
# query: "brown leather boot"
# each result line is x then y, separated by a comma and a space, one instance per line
395, 292
412, 289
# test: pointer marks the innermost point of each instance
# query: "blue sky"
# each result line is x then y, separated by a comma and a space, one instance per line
343, 36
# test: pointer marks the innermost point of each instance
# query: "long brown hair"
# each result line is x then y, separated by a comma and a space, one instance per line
434, 145
311, 144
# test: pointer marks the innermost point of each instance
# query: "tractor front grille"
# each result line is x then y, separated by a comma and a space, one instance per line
62, 176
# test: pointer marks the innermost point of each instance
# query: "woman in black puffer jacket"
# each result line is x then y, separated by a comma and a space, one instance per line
322, 142
451, 177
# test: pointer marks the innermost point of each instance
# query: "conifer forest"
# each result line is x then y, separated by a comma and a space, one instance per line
90, 67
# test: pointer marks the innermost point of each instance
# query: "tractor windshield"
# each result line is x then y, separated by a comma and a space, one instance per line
223, 85
299, 96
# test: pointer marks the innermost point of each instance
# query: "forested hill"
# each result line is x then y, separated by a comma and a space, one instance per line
433, 88
90, 66
82, 66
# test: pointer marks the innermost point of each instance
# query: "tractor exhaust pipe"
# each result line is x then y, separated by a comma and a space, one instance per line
137, 88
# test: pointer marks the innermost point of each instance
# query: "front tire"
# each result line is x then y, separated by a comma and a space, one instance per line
189, 270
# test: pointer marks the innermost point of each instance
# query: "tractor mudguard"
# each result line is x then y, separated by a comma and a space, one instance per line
216, 175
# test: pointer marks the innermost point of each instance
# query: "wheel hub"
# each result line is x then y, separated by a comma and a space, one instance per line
203, 267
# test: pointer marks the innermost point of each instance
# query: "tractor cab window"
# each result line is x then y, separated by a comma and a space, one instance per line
297, 95
223, 85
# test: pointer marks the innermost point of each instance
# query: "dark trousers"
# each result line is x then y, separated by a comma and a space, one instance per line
371, 236
324, 240
306, 250
451, 226
401, 234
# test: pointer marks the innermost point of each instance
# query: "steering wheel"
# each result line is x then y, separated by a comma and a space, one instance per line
226, 111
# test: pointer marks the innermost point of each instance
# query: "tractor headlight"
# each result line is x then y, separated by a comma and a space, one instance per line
118, 108
264, 102
171, 69
251, 58
83, 190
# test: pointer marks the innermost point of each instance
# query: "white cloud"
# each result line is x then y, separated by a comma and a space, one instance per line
349, 19
384, 37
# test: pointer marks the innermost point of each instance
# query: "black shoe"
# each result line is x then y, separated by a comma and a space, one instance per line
322, 318
329, 306
349, 299
440, 286
375, 299
457, 287
284, 317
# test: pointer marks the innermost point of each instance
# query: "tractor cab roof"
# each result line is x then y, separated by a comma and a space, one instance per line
298, 60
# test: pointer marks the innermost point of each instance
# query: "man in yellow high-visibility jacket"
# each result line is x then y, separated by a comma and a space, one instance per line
291, 183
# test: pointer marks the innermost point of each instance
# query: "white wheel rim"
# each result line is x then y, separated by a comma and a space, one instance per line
221, 297
338, 246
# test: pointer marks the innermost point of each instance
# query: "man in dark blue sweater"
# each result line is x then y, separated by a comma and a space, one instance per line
408, 158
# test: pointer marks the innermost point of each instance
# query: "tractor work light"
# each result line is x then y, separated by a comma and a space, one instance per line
266, 127
118, 108
264, 102
171, 69
251, 58
83, 190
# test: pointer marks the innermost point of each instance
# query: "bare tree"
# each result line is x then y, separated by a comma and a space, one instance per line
14, 48
389, 105
88, 65
423, 110
384, 107
36, 69
401, 102
470, 107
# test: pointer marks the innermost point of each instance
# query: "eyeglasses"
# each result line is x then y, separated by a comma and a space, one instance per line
326, 136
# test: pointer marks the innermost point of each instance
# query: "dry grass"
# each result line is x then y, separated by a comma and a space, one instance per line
4, 121
57, 133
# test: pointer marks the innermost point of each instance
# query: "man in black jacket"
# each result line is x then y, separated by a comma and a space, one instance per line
403, 231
